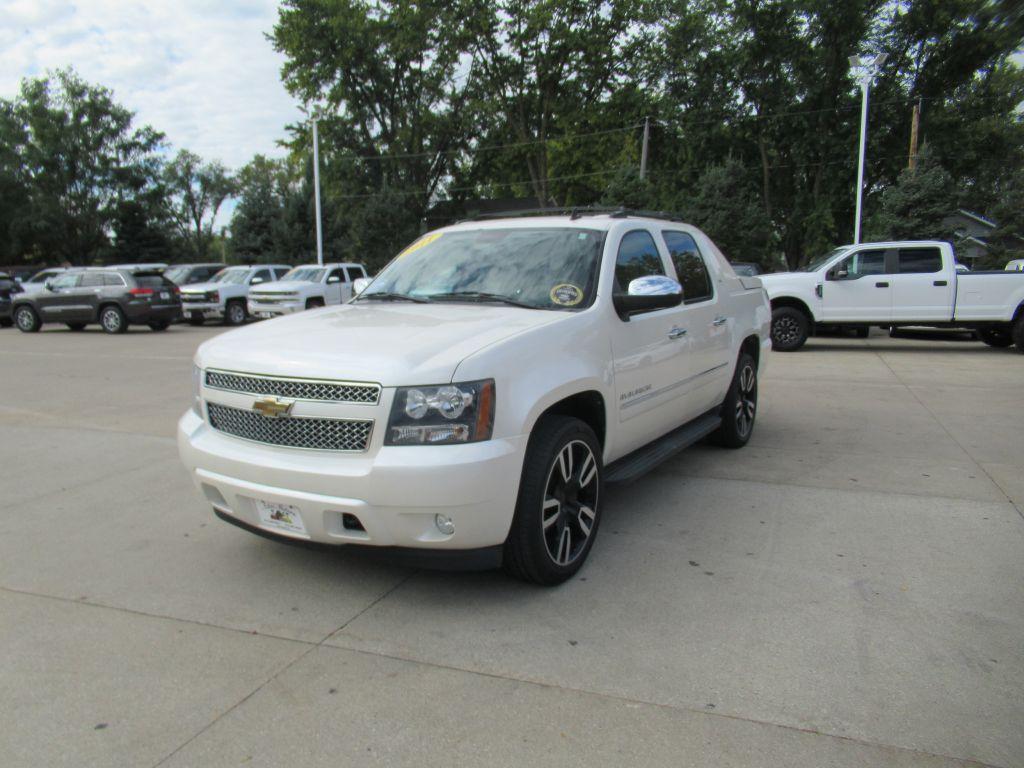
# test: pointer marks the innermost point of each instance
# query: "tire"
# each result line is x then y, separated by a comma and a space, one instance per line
76, 326
739, 409
314, 303
112, 319
26, 319
861, 333
196, 319
159, 325
1018, 333
559, 447
996, 337
235, 313
789, 329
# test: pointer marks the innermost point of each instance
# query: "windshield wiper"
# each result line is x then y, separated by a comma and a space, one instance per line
388, 296
480, 296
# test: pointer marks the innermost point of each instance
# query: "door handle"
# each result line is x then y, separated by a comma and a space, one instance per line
881, 285
677, 333
720, 320
940, 282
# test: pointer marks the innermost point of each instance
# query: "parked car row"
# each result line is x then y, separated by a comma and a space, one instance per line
157, 295
113, 297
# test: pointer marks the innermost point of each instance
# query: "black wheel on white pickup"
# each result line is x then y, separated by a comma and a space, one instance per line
790, 329
559, 506
996, 337
1018, 333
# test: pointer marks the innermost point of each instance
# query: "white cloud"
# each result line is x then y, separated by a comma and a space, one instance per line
201, 72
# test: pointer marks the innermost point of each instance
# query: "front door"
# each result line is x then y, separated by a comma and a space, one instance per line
921, 290
649, 349
54, 302
335, 292
857, 289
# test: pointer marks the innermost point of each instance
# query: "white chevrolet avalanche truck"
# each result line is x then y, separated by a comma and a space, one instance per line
893, 284
470, 404
226, 296
305, 287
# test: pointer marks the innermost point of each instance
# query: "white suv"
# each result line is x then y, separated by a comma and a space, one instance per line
305, 287
226, 295
474, 399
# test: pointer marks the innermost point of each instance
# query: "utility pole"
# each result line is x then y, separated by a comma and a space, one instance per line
643, 150
316, 194
864, 71
915, 123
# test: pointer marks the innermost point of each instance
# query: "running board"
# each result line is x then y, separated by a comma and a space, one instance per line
643, 460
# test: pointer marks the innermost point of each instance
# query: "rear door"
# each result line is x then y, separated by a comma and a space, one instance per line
922, 288
90, 291
707, 366
857, 289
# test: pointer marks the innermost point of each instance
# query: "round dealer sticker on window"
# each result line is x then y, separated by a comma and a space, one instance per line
566, 295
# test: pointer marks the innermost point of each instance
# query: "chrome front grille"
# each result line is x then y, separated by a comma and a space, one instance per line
292, 431
296, 389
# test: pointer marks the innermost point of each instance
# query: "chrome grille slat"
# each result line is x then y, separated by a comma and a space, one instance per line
296, 389
292, 431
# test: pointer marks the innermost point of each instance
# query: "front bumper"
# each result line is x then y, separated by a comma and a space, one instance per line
275, 308
204, 308
394, 491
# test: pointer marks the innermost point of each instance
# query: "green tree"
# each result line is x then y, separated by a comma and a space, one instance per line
917, 206
262, 187
197, 190
80, 159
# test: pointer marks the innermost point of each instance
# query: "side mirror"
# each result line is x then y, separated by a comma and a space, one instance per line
48, 285
839, 274
359, 285
646, 294
333, 279
256, 281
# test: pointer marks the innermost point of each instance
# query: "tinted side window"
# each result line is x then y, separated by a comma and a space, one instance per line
92, 280
114, 280
151, 281
263, 274
338, 273
638, 257
919, 260
690, 267
280, 272
353, 273
863, 263
66, 280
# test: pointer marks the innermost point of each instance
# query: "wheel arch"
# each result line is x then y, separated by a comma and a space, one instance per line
795, 303
588, 406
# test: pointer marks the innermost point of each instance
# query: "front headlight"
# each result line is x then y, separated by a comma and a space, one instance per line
197, 401
442, 414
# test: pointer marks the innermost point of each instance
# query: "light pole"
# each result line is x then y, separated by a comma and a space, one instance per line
865, 70
316, 192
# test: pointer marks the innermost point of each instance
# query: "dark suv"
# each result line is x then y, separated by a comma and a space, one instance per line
114, 298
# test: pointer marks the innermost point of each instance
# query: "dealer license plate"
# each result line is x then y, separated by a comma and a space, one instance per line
283, 517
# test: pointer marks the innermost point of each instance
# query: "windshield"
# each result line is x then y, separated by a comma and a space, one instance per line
309, 274
230, 276
815, 264
40, 277
543, 268
175, 274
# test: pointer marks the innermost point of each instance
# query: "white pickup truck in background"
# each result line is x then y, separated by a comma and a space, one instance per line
224, 297
305, 287
894, 284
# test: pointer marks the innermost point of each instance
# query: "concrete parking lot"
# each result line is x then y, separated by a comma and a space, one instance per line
846, 591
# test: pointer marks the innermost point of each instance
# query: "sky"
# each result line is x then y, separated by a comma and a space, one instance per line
203, 73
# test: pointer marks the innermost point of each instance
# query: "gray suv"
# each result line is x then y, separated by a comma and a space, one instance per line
114, 298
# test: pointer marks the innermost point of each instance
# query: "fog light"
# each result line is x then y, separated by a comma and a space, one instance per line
444, 524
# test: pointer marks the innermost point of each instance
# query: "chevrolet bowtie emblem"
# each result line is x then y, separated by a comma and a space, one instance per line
271, 407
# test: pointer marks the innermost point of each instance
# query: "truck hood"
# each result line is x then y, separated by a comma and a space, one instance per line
286, 286
201, 287
393, 344
778, 282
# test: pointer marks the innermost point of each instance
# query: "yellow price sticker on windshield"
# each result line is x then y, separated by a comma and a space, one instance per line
425, 240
